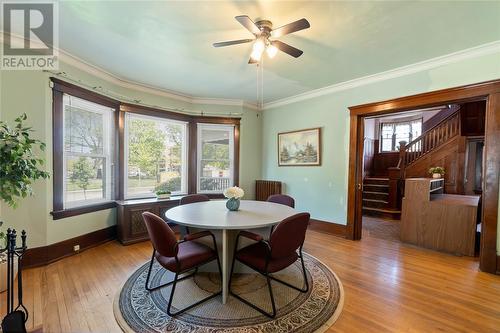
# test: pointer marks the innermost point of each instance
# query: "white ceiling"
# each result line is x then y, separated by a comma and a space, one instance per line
168, 45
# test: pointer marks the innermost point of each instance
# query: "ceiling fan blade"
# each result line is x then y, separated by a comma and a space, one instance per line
232, 42
248, 24
294, 52
251, 61
290, 27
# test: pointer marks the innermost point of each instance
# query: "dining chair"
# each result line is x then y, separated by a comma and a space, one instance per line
178, 257
282, 199
192, 198
267, 257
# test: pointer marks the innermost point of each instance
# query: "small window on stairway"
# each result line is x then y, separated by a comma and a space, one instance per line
393, 133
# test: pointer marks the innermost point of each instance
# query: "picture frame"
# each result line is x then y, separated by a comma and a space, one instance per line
300, 147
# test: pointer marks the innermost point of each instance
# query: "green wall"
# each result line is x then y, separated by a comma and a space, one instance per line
29, 92
322, 191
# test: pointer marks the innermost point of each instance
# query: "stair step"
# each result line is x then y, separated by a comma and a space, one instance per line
382, 210
375, 200
376, 188
372, 203
376, 181
376, 178
375, 195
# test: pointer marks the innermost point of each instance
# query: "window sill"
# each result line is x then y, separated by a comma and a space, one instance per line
74, 211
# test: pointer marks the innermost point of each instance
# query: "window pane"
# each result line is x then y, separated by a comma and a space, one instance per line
83, 131
156, 156
216, 145
84, 180
386, 136
88, 147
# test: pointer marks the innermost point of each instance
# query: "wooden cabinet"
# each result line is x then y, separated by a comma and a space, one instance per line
131, 228
443, 222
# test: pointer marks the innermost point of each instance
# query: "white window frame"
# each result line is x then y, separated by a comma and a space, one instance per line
107, 154
184, 173
230, 129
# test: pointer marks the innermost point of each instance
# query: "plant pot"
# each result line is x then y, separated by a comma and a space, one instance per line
163, 196
3, 274
436, 175
233, 204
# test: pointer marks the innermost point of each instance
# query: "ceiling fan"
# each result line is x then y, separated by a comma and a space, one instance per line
265, 37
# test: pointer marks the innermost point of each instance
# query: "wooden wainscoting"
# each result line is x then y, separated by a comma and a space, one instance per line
43, 255
327, 227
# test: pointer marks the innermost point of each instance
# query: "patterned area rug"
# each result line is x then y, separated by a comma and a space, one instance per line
137, 310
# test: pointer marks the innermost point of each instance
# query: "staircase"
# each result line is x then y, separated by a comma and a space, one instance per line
382, 196
376, 198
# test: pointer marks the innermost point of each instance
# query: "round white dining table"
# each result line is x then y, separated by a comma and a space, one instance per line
213, 215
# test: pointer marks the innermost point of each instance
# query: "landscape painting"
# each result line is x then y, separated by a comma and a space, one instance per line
300, 148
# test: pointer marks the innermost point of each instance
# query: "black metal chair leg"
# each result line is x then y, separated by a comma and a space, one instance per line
171, 314
149, 288
302, 290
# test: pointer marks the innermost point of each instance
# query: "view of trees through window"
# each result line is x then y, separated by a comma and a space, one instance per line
215, 162
156, 150
87, 151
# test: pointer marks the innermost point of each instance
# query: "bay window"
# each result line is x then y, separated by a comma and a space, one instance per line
155, 156
105, 150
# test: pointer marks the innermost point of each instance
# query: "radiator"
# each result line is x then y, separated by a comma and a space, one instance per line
265, 188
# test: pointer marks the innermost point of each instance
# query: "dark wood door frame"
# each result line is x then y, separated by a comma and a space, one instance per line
489, 91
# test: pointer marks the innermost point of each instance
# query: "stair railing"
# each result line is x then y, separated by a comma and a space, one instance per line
430, 139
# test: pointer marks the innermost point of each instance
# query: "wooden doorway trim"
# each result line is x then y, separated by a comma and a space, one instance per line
490, 91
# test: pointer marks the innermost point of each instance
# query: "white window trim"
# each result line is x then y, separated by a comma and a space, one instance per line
106, 155
184, 175
230, 129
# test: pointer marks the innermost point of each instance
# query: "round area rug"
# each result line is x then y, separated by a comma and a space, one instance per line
137, 310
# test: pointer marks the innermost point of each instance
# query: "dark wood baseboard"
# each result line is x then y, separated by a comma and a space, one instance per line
498, 265
327, 227
39, 256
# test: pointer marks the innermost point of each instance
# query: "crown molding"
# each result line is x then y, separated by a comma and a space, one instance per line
74, 61
101, 73
472, 52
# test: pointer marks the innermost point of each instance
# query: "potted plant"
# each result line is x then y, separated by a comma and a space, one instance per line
234, 194
19, 167
162, 194
436, 172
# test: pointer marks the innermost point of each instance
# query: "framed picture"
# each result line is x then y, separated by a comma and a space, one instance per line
300, 148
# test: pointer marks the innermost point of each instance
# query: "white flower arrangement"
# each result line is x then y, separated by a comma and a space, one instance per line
234, 192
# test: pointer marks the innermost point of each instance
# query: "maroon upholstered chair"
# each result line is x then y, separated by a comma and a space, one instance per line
282, 199
267, 257
192, 198
178, 256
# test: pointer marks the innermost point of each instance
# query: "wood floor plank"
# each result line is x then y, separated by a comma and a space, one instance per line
389, 287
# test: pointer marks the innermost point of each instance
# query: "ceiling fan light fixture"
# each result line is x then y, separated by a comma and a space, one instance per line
256, 55
271, 51
259, 46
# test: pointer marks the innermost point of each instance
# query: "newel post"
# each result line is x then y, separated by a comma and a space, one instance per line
402, 155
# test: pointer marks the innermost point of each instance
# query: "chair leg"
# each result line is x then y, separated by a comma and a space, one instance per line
149, 288
304, 273
172, 314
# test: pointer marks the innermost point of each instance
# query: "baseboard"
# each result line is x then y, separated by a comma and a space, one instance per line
498, 265
327, 227
39, 256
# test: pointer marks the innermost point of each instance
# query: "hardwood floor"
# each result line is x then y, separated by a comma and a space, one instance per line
381, 228
389, 287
